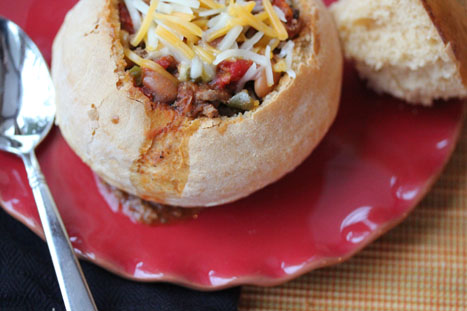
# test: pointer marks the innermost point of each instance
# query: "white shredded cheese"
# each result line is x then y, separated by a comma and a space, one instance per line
251, 74
268, 67
291, 73
218, 22
141, 6
196, 68
248, 44
182, 8
259, 59
209, 71
165, 8
152, 42
230, 38
280, 14
190, 3
134, 14
258, 7
210, 12
286, 49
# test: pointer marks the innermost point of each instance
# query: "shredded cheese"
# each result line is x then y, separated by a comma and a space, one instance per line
211, 4
280, 66
251, 74
268, 67
146, 23
280, 14
246, 18
186, 30
174, 42
189, 26
205, 55
196, 68
248, 44
149, 64
237, 53
276, 23
151, 40
230, 38
135, 18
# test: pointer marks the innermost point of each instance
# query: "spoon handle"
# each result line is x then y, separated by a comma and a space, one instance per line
75, 290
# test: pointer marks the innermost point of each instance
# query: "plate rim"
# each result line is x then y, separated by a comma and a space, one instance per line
261, 279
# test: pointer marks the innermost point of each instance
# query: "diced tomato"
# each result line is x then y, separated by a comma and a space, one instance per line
231, 71
125, 19
167, 61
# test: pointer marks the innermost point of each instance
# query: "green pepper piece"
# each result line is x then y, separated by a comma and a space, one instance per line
137, 75
241, 101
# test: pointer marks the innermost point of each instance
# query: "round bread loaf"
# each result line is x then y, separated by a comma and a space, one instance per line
156, 153
415, 50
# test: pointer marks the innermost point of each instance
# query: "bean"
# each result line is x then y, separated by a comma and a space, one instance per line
163, 89
261, 84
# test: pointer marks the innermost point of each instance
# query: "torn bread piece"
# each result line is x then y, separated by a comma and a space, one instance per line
415, 50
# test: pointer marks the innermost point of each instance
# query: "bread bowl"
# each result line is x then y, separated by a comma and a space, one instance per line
159, 154
415, 50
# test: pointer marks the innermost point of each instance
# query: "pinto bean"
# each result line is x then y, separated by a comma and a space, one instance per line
261, 84
162, 89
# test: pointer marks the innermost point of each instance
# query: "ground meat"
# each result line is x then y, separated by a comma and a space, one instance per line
205, 93
293, 27
185, 98
206, 110
145, 212
294, 24
195, 100
125, 19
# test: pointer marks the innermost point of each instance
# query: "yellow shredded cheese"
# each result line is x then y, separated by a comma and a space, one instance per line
274, 43
211, 49
185, 16
149, 64
262, 16
204, 54
211, 4
185, 28
181, 31
280, 66
249, 19
175, 42
189, 26
202, 22
146, 23
276, 22
221, 32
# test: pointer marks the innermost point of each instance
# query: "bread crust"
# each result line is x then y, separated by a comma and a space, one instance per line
450, 18
155, 153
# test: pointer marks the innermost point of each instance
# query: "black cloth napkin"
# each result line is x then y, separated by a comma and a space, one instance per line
27, 282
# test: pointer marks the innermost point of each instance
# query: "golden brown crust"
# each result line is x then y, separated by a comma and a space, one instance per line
450, 18
159, 155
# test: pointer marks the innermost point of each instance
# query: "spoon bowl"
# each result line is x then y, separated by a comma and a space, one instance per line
27, 112
27, 93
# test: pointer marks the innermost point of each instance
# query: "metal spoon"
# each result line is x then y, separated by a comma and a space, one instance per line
27, 111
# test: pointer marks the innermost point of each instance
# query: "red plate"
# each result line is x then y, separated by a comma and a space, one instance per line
379, 159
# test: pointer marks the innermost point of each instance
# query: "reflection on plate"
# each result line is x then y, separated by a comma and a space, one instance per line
377, 162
